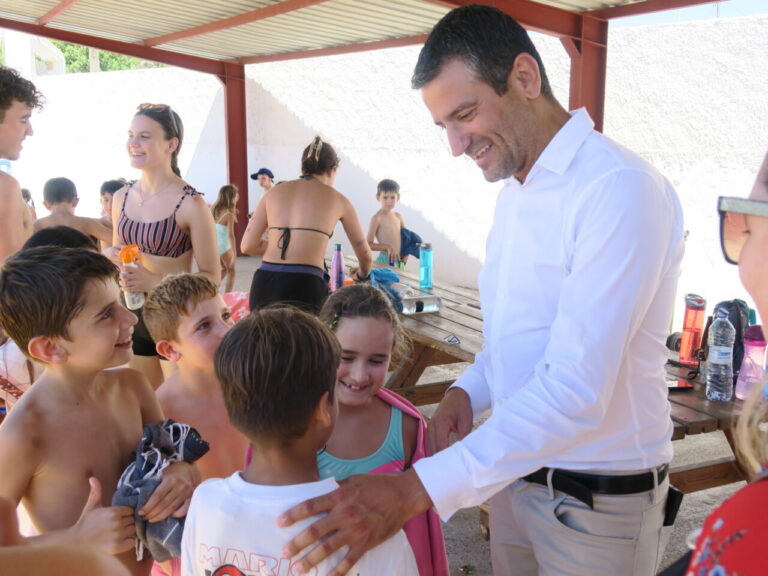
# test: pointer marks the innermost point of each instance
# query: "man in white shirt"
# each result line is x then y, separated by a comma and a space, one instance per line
577, 292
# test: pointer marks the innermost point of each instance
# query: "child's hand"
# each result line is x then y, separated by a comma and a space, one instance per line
172, 495
111, 528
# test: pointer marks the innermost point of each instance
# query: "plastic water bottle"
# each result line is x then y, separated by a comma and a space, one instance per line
129, 255
720, 360
751, 371
425, 266
337, 269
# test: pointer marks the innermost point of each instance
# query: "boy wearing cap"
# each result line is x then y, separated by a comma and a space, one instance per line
265, 178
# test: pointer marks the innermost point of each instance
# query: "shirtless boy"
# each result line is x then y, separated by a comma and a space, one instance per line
384, 229
18, 97
65, 444
187, 318
60, 198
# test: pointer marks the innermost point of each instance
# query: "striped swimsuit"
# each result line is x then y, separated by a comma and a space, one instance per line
159, 238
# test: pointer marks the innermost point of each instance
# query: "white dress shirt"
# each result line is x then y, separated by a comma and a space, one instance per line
577, 294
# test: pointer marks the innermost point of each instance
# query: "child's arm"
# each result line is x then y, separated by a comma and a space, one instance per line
231, 229
400, 217
373, 228
410, 436
95, 227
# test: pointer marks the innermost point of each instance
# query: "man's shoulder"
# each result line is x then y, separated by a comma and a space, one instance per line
10, 191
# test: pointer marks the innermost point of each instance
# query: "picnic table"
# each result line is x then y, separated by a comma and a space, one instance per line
454, 334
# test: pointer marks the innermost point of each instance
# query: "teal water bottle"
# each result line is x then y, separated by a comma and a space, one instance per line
425, 266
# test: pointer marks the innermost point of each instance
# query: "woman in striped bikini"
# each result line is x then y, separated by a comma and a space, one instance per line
167, 218
300, 217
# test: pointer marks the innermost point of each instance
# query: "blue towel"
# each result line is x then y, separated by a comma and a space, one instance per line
160, 445
409, 243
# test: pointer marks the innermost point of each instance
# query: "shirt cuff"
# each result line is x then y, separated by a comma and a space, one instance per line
443, 489
478, 391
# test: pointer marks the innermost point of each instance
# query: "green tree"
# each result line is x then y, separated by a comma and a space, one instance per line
76, 59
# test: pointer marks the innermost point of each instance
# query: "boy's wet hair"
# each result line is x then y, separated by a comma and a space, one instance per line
112, 186
42, 290
61, 236
274, 367
14, 87
365, 301
58, 190
486, 39
173, 298
387, 185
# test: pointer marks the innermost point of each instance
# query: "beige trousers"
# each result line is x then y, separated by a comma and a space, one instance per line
537, 531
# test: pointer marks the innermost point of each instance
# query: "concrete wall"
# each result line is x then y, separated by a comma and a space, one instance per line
690, 97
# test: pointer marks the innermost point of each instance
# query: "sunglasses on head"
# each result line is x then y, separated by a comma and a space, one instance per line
734, 227
161, 108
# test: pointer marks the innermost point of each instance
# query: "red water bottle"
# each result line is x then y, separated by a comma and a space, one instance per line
693, 326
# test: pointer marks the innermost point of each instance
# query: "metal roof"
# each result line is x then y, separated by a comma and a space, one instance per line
248, 31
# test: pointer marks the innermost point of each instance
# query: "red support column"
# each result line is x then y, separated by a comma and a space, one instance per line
588, 70
233, 80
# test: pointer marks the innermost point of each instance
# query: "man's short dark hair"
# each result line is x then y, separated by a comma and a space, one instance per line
14, 87
61, 236
486, 39
41, 290
58, 190
388, 185
274, 367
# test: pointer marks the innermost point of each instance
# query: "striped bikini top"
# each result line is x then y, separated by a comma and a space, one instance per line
159, 238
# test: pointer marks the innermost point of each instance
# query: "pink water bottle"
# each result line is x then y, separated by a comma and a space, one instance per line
337, 268
752, 366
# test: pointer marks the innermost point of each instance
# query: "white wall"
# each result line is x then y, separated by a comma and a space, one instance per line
690, 97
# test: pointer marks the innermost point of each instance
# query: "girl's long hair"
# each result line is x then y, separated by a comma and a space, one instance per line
226, 202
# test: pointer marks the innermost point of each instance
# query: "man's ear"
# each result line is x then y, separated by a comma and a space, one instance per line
47, 349
167, 350
75, 202
47, 205
525, 76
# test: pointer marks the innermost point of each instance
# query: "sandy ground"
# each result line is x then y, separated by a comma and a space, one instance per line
469, 552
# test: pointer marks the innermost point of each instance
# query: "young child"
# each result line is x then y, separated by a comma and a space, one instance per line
387, 231
378, 431
225, 214
277, 369
106, 194
60, 198
66, 442
187, 318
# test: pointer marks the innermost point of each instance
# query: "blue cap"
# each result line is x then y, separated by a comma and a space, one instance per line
267, 171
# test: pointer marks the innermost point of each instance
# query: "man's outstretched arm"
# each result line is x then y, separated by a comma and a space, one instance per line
364, 512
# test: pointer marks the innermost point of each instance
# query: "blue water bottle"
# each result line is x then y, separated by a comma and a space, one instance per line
337, 269
425, 266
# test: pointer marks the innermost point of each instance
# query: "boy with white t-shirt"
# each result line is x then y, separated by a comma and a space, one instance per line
277, 369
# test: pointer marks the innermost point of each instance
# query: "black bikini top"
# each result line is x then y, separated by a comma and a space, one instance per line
285, 237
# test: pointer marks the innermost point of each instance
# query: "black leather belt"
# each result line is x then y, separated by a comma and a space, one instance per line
581, 485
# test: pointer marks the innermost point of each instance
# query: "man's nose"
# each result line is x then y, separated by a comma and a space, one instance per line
457, 140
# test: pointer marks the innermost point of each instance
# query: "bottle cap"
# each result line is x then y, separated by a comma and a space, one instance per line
130, 254
338, 246
752, 317
695, 302
721, 313
426, 246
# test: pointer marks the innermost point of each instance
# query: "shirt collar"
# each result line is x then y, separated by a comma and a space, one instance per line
561, 150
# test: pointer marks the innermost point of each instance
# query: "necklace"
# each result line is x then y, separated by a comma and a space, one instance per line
152, 194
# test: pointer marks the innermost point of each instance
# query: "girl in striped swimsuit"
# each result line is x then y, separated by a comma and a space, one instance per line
167, 218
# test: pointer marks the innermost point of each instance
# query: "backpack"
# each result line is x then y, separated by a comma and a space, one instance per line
738, 315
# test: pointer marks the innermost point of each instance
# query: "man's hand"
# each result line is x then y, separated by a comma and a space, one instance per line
453, 415
362, 513
111, 529
173, 494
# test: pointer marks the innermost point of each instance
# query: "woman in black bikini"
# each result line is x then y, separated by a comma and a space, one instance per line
165, 216
300, 217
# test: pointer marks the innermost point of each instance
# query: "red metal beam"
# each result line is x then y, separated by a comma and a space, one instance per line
334, 50
156, 55
583, 26
237, 140
234, 21
62, 7
645, 7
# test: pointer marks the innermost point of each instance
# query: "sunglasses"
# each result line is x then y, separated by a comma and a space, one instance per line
734, 213
161, 108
